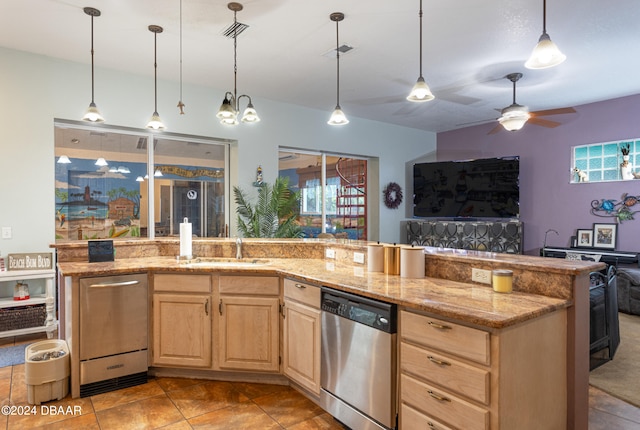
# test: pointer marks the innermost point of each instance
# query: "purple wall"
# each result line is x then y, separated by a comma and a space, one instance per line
547, 199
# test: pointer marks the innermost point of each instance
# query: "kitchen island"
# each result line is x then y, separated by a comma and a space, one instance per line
533, 343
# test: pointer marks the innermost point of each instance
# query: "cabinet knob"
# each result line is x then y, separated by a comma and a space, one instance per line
301, 286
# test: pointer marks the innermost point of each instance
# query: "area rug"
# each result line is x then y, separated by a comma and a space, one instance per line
12, 355
619, 377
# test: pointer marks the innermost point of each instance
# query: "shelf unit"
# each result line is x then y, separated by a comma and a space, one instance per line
42, 291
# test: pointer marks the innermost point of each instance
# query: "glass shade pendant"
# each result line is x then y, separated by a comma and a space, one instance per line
92, 114
155, 123
420, 91
101, 162
139, 179
250, 114
337, 117
546, 53
514, 117
63, 159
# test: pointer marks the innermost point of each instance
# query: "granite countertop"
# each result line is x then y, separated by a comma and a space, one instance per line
469, 303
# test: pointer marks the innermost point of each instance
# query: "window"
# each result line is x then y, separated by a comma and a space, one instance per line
600, 162
345, 192
113, 183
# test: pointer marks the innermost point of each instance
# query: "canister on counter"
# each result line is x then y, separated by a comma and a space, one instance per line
412, 262
502, 281
392, 259
375, 257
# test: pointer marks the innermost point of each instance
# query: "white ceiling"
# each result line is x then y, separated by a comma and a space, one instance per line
469, 46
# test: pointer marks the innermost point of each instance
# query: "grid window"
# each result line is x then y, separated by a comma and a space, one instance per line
603, 161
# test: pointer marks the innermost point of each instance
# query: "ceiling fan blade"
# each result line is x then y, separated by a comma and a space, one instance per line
543, 122
496, 129
557, 111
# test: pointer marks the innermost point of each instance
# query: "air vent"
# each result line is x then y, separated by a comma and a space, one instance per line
235, 28
342, 48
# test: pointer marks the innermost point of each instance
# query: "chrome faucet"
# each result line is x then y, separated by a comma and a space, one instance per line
238, 248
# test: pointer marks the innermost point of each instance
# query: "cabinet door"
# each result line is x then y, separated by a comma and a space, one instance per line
182, 330
248, 337
301, 345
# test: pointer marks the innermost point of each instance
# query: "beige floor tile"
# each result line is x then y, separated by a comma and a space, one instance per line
252, 390
180, 425
126, 395
240, 417
82, 422
151, 413
170, 384
206, 397
321, 422
288, 407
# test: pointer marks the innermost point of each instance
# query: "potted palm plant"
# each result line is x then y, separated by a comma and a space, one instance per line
274, 214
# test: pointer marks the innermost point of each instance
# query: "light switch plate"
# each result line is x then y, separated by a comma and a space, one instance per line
330, 253
358, 257
6, 232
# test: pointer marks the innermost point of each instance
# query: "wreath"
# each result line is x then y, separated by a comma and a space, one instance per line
392, 195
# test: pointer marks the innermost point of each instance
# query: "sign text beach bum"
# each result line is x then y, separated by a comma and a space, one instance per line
35, 261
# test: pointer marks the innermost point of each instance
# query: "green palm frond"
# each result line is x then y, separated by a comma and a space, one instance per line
273, 215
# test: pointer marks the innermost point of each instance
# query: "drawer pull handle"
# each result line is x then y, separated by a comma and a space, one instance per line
436, 361
440, 326
301, 286
438, 397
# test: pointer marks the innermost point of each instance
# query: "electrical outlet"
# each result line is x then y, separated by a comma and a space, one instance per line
330, 253
358, 257
481, 275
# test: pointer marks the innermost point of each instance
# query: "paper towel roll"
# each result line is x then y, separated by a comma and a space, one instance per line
375, 257
412, 262
185, 239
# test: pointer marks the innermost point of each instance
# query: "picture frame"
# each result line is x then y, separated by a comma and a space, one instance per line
605, 236
584, 238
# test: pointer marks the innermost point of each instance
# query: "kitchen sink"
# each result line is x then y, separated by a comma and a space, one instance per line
226, 262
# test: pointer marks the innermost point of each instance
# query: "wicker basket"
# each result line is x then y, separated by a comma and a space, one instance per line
22, 317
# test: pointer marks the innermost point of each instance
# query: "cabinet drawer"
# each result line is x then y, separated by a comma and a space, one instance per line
250, 285
302, 292
182, 283
413, 419
461, 378
453, 338
442, 405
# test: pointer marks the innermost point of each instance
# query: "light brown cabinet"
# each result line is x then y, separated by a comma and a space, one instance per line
459, 377
248, 323
182, 320
301, 334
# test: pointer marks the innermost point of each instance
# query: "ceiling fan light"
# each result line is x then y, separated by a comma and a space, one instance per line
514, 117
338, 117
250, 114
93, 114
420, 92
546, 54
155, 123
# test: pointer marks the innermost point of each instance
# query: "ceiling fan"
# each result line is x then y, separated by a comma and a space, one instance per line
515, 115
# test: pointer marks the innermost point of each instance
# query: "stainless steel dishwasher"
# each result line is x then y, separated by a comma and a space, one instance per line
113, 333
358, 366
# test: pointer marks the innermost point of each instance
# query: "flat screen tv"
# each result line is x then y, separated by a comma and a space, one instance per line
482, 188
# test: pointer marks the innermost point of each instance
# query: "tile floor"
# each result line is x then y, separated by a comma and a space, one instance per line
177, 403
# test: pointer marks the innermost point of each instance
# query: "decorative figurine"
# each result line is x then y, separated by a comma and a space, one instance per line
582, 176
259, 175
626, 168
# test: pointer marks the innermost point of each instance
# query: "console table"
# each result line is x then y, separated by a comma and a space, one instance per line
610, 257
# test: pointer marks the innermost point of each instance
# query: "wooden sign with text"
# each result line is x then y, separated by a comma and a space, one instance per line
32, 261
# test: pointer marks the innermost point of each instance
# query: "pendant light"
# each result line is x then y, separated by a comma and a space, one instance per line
180, 104
514, 116
228, 112
546, 54
155, 122
337, 117
92, 114
420, 91
63, 159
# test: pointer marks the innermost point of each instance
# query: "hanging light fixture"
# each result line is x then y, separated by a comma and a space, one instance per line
546, 53
63, 159
337, 117
228, 112
155, 122
101, 162
92, 114
514, 116
420, 91
180, 104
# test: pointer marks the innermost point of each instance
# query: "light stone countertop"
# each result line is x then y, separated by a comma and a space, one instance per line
470, 303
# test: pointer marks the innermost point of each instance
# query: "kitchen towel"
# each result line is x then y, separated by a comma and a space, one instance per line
185, 239
375, 257
412, 262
